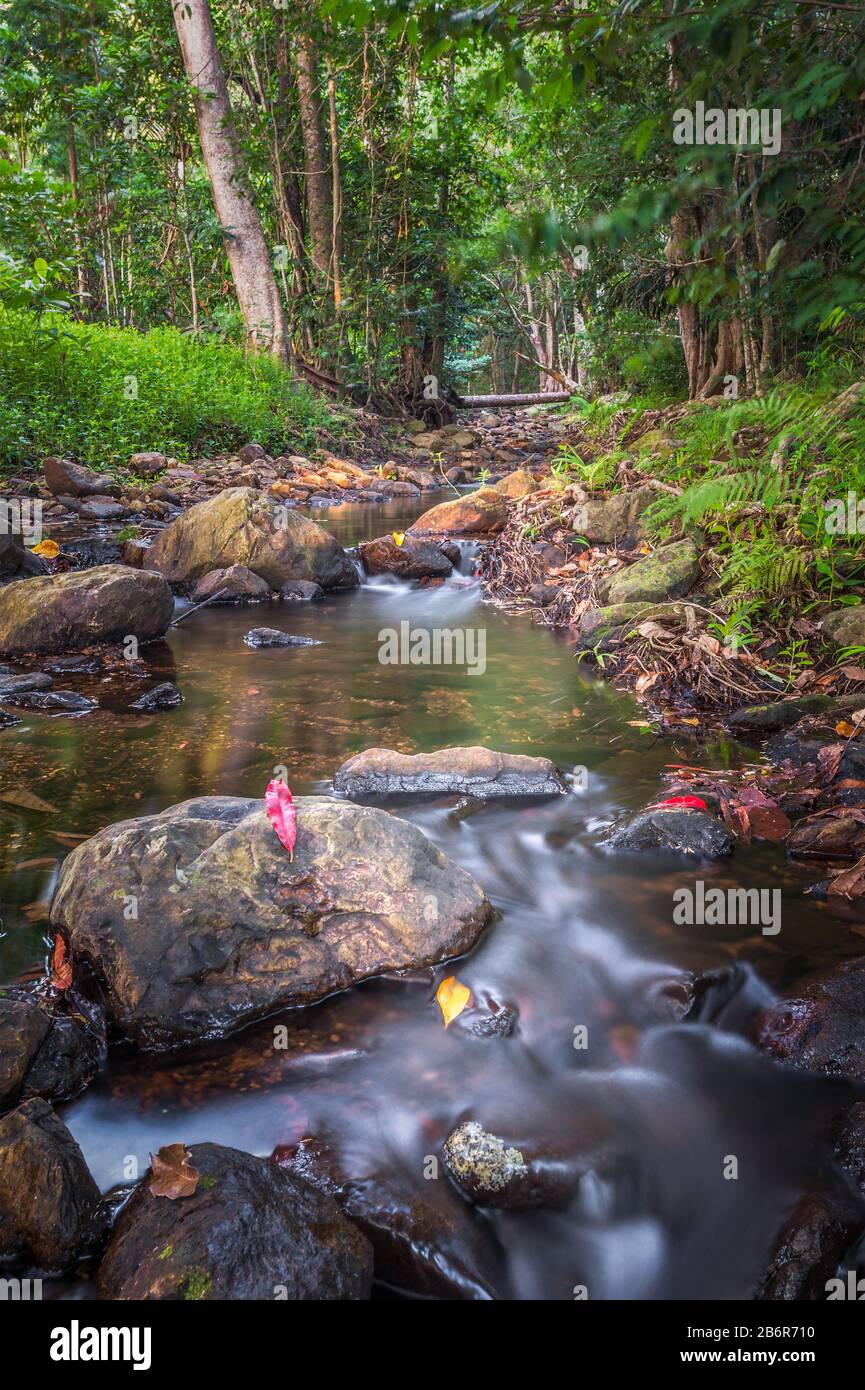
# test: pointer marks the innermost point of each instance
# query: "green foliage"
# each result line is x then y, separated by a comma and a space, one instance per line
101, 394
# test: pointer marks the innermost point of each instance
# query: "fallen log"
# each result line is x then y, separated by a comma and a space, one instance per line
532, 398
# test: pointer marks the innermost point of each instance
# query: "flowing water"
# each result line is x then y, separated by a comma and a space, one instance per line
652, 1108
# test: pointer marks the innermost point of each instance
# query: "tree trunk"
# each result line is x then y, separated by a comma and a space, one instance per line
319, 193
248, 256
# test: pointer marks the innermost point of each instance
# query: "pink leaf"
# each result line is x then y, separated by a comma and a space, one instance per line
282, 813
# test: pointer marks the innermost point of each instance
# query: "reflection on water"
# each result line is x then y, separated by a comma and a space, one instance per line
646, 1114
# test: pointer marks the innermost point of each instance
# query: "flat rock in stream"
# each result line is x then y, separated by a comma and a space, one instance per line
477, 772
251, 1230
230, 929
164, 696
52, 701
411, 559
236, 584
64, 612
274, 637
242, 526
48, 1199
693, 833
20, 685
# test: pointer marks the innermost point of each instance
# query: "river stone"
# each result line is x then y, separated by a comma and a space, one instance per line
242, 526
19, 685
48, 1199
809, 1248
478, 772
518, 484
147, 463
67, 479
16, 561
274, 637
67, 611
251, 1230
846, 626
665, 574
237, 583
47, 1048
483, 1167
480, 513
101, 509
164, 696
675, 832
779, 715
414, 559
23, 1028
301, 591
615, 519
230, 929
820, 1026
52, 701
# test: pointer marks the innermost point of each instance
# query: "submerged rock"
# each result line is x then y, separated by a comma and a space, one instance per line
251, 1230
242, 526
414, 559
48, 1199
675, 832
68, 611
20, 685
273, 637
230, 929
302, 590
52, 701
483, 1167
477, 772
480, 513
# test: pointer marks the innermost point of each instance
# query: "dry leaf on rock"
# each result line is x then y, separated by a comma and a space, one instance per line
172, 1175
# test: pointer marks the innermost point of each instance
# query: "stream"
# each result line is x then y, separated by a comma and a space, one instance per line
653, 1106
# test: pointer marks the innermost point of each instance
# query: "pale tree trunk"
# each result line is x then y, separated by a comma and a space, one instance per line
319, 195
248, 255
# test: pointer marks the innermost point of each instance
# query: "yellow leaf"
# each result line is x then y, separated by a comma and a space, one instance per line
844, 729
399, 536
452, 997
49, 549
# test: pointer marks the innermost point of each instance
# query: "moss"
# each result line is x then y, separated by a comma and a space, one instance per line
196, 1286
166, 1253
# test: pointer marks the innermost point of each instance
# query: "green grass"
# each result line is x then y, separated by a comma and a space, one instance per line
100, 394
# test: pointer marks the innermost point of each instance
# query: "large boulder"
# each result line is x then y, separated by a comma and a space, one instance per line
63, 612
613, 520
251, 1230
479, 772
242, 526
665, 574
413, 559
229, 928
480, 513
67, 479
48, 1199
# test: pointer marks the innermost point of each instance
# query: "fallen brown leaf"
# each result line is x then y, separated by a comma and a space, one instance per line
172, 1175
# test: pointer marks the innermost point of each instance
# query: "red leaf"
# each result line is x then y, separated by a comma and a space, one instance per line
681, 803
61, 964
282, 813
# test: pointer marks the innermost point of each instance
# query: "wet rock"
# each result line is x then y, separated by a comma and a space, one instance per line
614, 520
66, 1062
48, 1200
134, 553
518, 484
23, 1028
7, 720
837, 836
820, 1026
675, 832
456, 475
65, 611
803, 742
251, 1230
302, 590
243, 527
488, 1171
413, 559
89, 664
396, 487
101, 509
273, 637
16, 561
430, 1244
480, 513
19, 685
846, 626
164, 696
67, 479
809, 1248
147, 464
477, 772
92, 551
665, 574
238, 584
52, 701
230, 929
